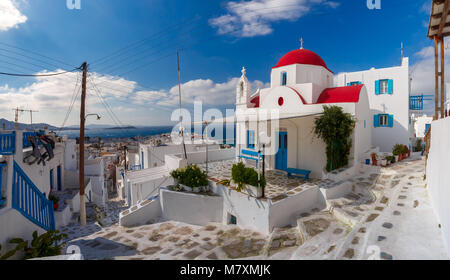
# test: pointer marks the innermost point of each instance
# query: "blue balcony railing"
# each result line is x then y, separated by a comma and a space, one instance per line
30, 202
7, 143
2, 198
416, 102
26, 138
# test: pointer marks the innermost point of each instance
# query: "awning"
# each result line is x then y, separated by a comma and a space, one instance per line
439, 19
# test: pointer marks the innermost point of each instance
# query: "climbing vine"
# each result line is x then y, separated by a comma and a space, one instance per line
335, 128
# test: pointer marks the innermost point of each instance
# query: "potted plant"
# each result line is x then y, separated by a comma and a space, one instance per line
390, 159
406, 151
192, 178
384, 162
55, 200
374, 159
246, 179
397, 151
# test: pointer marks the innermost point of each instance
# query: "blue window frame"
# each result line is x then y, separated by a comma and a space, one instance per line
385, 86
283, 78
250, 139
383, 120
427, 126
51, 179
354, 83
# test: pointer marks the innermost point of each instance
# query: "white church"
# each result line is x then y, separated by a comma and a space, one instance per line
301, 84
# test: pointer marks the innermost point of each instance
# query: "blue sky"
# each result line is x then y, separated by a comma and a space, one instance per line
216, 38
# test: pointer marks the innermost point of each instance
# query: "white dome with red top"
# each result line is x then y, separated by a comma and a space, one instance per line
301, 56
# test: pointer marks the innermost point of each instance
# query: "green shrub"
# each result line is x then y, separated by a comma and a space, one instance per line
397, 150
335, 128
390, 159
44, 245
242, 175
53, 198
418, 147
191, 176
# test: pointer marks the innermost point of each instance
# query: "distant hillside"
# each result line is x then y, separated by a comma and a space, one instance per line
9, 125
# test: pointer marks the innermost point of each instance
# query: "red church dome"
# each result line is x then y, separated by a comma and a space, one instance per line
301, 56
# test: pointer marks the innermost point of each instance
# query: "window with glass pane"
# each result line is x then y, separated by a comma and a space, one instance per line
384, 121
384, 86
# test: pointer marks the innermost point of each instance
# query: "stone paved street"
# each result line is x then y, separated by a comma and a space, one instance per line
386, 216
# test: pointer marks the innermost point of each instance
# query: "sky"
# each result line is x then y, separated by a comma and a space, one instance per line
131, 51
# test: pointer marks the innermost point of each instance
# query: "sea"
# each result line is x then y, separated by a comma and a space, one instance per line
107, 133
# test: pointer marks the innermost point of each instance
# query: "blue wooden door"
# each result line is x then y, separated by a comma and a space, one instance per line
51, 179
281, 157
58, 178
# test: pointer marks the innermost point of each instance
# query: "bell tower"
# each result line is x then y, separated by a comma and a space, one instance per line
243, 91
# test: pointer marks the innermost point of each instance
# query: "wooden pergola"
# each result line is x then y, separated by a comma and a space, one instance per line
438, 29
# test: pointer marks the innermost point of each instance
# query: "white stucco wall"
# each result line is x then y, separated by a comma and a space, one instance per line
141, 214
190, 208
70, 155
396, 104
438, 177
285, 212
249, 211
420, 125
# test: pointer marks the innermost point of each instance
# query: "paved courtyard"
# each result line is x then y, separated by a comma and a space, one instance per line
387, 215
278, 185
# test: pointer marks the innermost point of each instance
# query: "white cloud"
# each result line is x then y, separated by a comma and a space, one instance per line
51, 96
207, 91
254, 18
422, 74
10, 16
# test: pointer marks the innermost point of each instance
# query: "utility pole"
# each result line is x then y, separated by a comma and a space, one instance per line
16, 119
179, 101
81, 147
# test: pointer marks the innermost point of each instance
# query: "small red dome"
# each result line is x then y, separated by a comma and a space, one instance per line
301, 56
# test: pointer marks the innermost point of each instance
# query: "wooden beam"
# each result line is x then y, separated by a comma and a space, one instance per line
443, 19
436, 77
442, 76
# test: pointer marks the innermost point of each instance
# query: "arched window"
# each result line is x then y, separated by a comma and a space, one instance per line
283, 78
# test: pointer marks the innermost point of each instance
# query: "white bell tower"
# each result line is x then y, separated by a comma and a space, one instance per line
243, 91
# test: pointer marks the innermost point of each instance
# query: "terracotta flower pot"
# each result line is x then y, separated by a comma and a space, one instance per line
55, 206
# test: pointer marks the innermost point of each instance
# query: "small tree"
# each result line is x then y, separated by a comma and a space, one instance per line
335, 128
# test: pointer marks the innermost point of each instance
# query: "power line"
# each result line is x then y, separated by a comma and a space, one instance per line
73, 99
143, 40
38, 75
35, 53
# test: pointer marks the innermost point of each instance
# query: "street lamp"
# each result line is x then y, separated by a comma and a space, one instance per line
264, 140
98, 117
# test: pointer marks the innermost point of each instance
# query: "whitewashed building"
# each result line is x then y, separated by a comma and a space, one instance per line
301, 84
26, 182
388, 91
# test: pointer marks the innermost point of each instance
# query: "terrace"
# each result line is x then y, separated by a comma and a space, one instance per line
278, 187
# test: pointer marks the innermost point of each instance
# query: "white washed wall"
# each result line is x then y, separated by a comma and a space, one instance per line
438, 177
191, 208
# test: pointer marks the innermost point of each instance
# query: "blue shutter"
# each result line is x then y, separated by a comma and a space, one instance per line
376, 121
390, 120
349, 84
248, 138
390, 86
377, 87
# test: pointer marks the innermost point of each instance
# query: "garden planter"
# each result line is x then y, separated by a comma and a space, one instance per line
400, 157
396, 158
55, 206
383, 162
189, 189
